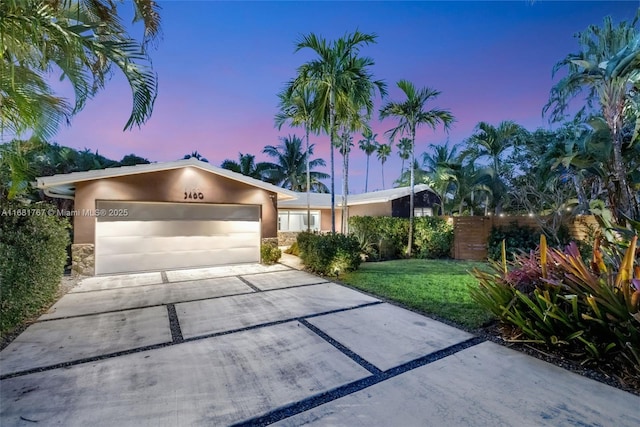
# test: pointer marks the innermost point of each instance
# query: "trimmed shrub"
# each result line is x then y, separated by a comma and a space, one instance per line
269, 253
329, 254
433, 237
34, 254
384, 238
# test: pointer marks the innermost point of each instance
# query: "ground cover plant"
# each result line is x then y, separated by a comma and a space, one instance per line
435, 287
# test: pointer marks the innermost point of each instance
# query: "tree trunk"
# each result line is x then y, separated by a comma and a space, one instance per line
411, 194
308, 183
345, 181
332, 122
366, 177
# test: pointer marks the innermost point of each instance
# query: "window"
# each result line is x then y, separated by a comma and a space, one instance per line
422, 212
297, 220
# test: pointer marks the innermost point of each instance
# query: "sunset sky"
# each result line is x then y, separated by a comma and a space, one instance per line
221, 64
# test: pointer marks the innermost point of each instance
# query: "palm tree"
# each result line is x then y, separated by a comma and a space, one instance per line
404, 151
195, 155
346, 143
84, 40
340, 80
296, 107
441, 166
492, 143
411, 115
290, 169
369, 145
608, 67
383, 151
246, 165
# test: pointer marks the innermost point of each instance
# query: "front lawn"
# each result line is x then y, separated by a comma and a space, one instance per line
433, 287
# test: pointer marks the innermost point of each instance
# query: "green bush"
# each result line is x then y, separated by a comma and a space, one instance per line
269, 253
433, 237
34, 254
553, 298
384, 238
293, 249
517, 238
329, 254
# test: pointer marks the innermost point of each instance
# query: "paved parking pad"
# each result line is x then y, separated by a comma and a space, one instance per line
122, 281
484, 385
81, 303
227, 314
65, 340
387, 336
222, 271
210, 382
282, 279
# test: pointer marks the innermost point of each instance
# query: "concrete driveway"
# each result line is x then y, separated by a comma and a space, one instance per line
256, 345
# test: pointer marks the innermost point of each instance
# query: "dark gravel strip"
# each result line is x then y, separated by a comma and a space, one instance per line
174, 324
249, 284
345, 390
350, 354
165, 279
173, 342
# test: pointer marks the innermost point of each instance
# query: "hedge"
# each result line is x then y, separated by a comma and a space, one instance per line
329, 254
34, 254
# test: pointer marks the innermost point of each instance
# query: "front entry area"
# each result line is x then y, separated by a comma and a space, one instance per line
147, 236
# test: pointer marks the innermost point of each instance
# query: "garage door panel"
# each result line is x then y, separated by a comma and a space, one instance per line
174, 228
157, 236
185, 259
150, 244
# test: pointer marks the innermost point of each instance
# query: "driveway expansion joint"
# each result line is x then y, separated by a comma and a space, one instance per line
174, 324
343, 349
249, 284
355, 386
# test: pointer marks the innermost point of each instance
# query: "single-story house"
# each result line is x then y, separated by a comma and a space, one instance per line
159, 216
292, 213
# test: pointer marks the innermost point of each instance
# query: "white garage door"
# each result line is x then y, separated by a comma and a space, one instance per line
140, 236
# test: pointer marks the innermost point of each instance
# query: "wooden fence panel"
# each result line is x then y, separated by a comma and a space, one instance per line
471, 233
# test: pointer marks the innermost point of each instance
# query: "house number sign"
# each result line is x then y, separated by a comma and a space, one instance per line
193, 194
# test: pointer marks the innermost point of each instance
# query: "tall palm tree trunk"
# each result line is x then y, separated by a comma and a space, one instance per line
366, 177
332, 122
411, 194
308, 182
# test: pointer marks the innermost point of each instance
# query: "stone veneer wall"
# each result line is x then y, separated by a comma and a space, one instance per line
287, 238
270, 241
83, 262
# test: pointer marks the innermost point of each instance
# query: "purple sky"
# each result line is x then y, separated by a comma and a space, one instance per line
221, 64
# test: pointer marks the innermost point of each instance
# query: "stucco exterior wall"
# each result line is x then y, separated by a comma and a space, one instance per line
371, 209
170, 186
325, 219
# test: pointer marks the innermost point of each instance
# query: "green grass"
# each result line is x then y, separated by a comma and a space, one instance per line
433, 287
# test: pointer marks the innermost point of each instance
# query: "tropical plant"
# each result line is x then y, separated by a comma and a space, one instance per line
329, 254
369, 145
608, 68
296, 107
289, 171
340, 80
195, 155
383, 151
492, 143
404, 152
553, 298
246, 165
83, 41
411, 115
